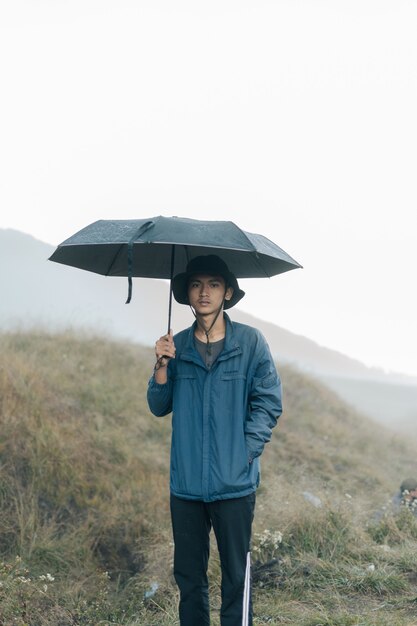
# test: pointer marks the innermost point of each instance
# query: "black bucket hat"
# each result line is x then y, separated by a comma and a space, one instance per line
211, 265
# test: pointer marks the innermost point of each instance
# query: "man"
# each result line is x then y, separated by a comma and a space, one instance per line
220, 382
408, 491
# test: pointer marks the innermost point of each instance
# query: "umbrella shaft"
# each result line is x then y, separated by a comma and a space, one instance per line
170, 288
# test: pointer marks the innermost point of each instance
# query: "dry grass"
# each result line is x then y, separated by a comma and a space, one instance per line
84, 491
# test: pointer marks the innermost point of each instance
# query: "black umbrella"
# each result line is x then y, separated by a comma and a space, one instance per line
160, 247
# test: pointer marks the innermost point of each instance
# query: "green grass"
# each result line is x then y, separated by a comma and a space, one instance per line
84, 517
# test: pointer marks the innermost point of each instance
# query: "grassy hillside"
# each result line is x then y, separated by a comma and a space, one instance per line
84, 522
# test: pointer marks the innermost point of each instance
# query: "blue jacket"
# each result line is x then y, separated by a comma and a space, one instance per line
221, 417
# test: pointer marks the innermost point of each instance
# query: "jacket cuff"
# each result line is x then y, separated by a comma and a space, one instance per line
253, 454
157, 386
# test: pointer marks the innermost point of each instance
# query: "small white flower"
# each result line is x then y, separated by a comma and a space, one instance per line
23, 580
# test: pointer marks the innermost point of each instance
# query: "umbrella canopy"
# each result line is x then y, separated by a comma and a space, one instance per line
160, 247
102, 247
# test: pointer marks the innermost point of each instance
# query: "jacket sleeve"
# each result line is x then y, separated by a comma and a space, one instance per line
265, 404
160, 396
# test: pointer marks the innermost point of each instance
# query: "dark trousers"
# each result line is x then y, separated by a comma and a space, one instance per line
232, 524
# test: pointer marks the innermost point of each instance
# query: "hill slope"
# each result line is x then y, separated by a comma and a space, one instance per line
84, 489
38, 293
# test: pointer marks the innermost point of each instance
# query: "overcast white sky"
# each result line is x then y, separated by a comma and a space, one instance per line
294, 118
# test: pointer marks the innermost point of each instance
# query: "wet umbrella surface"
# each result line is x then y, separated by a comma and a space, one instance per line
160, 247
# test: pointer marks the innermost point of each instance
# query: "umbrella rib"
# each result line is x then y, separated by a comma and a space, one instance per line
114, 259
187, 255
255, 254
260, 266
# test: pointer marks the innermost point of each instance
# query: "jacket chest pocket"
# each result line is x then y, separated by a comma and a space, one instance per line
233, 377
232, 393
179, 377
185, 393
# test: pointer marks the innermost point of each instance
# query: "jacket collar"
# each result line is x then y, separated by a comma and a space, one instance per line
231, 344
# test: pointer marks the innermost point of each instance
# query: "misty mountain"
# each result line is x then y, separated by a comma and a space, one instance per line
35, 292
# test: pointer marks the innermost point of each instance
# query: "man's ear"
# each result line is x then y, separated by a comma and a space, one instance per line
229, 293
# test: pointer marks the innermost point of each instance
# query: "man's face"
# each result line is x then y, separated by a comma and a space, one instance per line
206, 293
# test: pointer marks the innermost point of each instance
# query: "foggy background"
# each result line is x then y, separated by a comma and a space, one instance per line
295, 119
